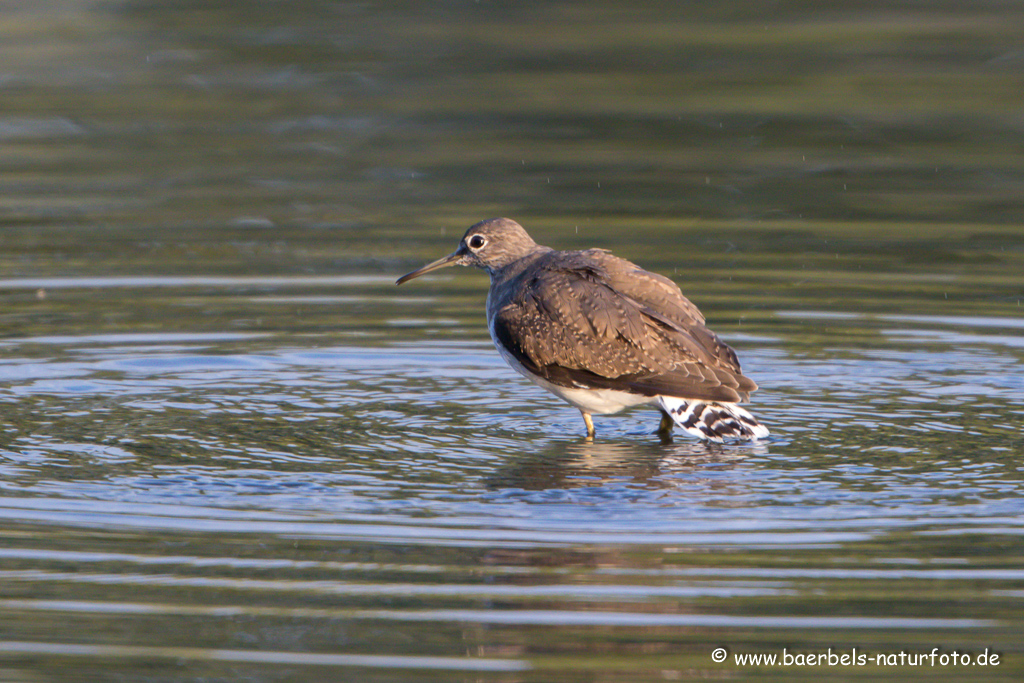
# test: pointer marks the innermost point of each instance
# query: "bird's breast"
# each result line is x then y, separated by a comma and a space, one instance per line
593, 401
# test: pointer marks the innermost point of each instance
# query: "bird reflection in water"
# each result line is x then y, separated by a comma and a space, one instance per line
590, 463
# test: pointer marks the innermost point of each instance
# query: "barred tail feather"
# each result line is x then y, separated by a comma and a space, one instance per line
713, 421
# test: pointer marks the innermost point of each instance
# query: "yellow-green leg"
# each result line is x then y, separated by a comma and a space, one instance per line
590, 424
666, 425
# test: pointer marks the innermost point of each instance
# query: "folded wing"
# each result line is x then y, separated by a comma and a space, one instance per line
596, 321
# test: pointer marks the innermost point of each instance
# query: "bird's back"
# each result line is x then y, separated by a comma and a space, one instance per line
590, 319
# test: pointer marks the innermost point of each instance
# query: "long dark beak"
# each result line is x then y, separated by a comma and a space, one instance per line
449, 260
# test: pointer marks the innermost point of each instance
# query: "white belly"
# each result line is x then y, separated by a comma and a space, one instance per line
592, 401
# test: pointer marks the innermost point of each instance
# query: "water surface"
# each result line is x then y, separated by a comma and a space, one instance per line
232, 449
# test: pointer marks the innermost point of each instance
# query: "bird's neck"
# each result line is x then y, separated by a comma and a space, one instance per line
512, 269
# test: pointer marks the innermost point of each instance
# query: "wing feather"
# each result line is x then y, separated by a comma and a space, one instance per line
588, 319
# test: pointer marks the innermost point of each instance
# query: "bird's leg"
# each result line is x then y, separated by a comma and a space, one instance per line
666, 425
590, 424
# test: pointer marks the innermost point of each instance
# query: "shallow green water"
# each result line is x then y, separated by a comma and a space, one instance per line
231, 449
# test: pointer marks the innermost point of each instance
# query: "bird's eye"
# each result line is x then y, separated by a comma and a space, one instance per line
476, 242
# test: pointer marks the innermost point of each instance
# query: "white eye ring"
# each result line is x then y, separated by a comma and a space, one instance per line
477, 242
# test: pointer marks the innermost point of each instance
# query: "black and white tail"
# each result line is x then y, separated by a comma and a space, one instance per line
713, 421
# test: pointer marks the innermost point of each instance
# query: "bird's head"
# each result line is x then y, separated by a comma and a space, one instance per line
491, 244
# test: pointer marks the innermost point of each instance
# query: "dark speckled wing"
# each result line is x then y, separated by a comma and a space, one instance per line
588, 319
